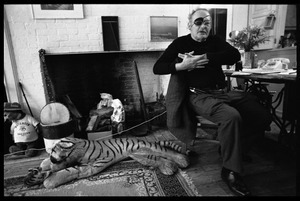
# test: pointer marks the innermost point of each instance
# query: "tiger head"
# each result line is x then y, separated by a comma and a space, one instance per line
67, 151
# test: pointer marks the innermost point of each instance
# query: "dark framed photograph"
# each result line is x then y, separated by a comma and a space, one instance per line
163, 28
55, 11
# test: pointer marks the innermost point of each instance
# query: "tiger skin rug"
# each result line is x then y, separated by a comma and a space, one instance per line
74, 158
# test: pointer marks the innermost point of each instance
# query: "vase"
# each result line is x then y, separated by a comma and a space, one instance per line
248, 59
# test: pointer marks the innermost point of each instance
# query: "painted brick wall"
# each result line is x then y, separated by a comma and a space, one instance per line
80, 35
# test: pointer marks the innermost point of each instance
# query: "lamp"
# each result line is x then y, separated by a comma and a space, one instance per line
233, 34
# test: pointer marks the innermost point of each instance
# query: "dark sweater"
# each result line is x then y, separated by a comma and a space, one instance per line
218, 51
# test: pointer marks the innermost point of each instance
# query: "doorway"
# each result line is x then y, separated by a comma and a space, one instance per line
219, 17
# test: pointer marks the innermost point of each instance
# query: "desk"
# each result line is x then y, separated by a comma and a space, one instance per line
287, 95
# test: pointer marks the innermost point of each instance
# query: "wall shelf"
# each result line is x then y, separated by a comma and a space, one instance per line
105, 52
284, 49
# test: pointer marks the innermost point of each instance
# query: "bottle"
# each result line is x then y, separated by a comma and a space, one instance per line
254, 61
238, 66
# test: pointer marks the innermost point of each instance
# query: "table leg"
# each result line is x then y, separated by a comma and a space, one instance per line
228, 83
287, 119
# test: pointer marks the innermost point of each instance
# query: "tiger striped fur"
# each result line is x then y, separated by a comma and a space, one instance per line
74, 158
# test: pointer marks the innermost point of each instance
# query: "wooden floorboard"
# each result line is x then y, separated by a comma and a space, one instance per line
216, 188
272, 172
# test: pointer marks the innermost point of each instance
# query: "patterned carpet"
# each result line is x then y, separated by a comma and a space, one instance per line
127, 178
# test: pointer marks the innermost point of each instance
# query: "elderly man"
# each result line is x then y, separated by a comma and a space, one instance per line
197, 87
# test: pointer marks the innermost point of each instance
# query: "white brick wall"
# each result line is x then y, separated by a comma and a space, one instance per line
79, 35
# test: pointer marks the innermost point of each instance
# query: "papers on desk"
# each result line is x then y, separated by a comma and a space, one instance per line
288, 72
262, 71
240, 73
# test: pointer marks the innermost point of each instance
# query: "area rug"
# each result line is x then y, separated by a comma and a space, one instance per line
126, 178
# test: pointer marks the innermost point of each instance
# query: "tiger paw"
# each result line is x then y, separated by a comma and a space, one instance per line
35, 176
167, 167
182, 161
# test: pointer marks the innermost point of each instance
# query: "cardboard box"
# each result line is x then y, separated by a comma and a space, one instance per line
103, 135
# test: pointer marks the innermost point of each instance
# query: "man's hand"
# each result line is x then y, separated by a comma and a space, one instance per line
190, 61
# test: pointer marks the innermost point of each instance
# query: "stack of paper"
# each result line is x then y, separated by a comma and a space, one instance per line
262, 71
288, 72
240, 73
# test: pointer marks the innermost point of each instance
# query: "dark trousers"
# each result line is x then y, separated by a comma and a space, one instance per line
241, 121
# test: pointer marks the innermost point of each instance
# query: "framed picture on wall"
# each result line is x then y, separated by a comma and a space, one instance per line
163, 28
57, 11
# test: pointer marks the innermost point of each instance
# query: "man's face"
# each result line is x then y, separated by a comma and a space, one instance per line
200, 25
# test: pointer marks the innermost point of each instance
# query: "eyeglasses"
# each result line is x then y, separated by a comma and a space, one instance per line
199, 21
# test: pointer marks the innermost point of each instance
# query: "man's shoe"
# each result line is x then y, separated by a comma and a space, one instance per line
234, 182
191, 153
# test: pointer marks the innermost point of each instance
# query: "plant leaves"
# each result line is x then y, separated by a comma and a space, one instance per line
250, 37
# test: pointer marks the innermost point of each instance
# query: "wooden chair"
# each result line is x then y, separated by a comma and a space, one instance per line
206, 130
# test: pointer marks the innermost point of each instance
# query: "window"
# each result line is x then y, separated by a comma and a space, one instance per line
290, 27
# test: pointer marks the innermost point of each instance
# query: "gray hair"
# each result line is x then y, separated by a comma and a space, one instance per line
190, 23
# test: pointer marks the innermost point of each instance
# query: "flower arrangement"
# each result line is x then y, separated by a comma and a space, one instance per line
248, 38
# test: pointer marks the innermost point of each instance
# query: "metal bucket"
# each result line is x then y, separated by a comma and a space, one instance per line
55, 124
